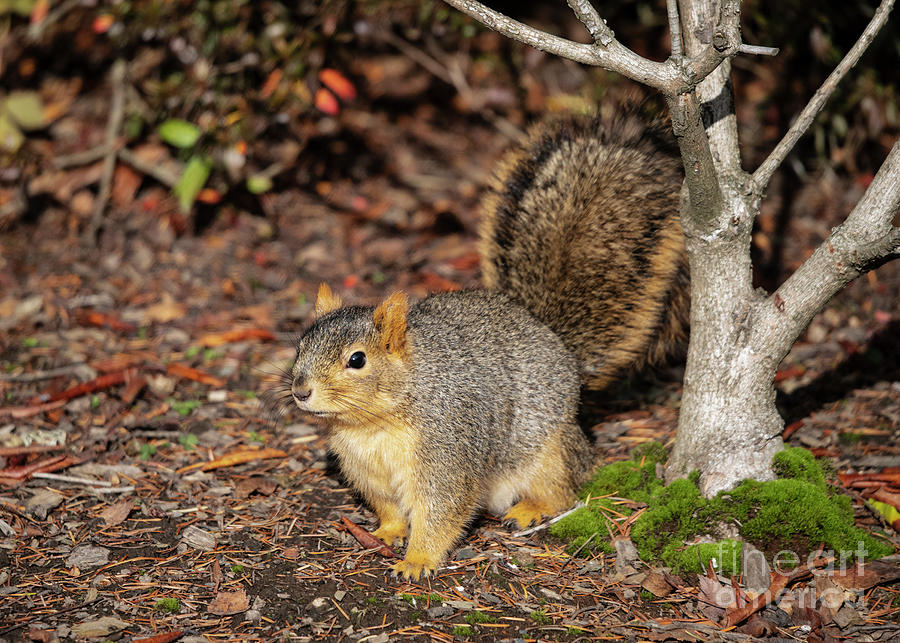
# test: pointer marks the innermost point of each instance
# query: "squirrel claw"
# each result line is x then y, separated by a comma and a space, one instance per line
411, 570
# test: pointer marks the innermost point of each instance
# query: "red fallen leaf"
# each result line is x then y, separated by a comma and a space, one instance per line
436, 283
882, 316
102, 23
367, 540
864, 576
789, 373
271, 83
466, 262
326, 102
125, 186
791, 429
350, 281
884, 477
28, 469
865, 179
338, 83
194, 374
39, 11
97, 384
105, 320
238, 335
209, 196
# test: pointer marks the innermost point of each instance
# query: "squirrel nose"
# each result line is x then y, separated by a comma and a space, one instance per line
301, 391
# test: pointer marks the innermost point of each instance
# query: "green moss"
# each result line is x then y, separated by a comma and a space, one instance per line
671, 519
798, 512
792, 513
695, 558
168, 605
461, 631
540, 617
476, 617
799, 464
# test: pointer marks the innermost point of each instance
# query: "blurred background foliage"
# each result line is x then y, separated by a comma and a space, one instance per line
267, 83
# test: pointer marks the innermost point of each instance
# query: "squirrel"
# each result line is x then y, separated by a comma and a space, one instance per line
468, 400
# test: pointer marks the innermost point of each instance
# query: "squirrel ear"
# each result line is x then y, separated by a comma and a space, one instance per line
390, 322
326, 301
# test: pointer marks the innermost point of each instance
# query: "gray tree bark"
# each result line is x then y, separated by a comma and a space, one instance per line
729, 428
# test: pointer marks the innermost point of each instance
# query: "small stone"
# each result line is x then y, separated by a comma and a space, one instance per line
590, 566
99, 628
847, 616
549, 593
198, 539
440, 611
319, 604
756, 569
379, 638
339, 595
88, 556
40, 504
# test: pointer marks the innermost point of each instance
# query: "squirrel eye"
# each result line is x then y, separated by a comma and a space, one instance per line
357, 360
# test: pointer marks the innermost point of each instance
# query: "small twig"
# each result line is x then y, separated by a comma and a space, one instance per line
674, 29
764, 172
758, 50
41, 375
80, 158
592, 21
113, 126
128, 489
150, 169
544, 525
61, 478
576, 552
37, 30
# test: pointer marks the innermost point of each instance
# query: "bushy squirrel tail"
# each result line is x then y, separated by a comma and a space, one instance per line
581, 225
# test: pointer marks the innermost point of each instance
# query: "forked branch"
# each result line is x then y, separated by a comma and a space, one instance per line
670, 77
764, 172
866, 239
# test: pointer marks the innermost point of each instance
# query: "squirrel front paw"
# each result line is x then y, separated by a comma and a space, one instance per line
392, 533
415, 566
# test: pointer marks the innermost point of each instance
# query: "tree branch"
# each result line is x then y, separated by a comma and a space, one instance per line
592, 21
764, 172
674, 29
613, 56
867, 238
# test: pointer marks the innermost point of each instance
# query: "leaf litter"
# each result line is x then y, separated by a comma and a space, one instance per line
141, 461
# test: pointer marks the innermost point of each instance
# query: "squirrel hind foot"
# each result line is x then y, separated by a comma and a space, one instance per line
527, 512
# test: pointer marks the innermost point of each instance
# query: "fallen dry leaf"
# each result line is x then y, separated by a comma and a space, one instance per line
227, 603
116, 514
866, 575
165, 311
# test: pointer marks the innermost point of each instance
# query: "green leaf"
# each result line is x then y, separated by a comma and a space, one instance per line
26, 110
889, 512
21, 7
192, 181
179, 133
259, 184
